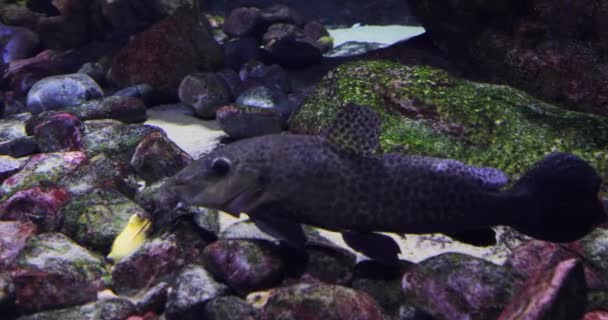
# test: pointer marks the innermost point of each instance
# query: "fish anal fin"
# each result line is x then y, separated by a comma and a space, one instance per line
481, 237
379, 247
355, 128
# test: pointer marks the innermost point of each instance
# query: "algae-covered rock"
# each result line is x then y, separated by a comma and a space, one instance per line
13, 237
315, 302
456, 286
557, 293
429, 112
193, 288
48, 167
244, 265
55, 272
107, 309
115, 139
96, 218
158, 260
228, 308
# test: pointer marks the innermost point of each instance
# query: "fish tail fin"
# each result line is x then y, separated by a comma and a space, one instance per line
560, 199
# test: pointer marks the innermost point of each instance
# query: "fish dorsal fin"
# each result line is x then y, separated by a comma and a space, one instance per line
355, 128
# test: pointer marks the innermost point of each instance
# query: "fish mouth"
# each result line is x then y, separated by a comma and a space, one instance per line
242, 202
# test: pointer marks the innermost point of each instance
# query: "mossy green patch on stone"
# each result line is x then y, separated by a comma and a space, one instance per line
95, 219
427, 111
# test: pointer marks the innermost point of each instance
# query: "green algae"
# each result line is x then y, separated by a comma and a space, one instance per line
429, 112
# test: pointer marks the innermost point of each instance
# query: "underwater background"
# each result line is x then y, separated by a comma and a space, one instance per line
104, 101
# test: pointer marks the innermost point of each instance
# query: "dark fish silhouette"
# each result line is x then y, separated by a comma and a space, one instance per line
337, 181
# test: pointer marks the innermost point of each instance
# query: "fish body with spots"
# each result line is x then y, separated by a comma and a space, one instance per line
338, 181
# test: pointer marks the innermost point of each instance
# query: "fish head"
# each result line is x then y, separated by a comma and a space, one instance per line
231, 179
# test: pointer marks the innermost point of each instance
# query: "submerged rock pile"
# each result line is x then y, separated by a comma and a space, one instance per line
77, 162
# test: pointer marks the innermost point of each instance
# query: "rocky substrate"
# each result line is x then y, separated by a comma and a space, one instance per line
77, 161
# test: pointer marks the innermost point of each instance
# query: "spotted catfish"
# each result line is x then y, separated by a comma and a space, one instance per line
339, 181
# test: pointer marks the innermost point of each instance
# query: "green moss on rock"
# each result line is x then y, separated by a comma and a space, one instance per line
429, 112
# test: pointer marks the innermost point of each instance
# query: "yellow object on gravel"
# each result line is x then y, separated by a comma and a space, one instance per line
130, 238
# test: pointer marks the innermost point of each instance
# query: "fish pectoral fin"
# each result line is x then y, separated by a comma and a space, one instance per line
282, 230
482, 237
379, 247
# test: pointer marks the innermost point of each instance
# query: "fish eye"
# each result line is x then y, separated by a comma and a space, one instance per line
220, 165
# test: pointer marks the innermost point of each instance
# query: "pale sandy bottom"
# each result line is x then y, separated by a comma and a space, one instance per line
379, 34
197, 137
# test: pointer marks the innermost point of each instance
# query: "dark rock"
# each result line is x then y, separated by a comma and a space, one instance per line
280, 13
244, 22
143, 91
291, 53
534, 256
97, 217
152, 300
158, 260
58, 132
553, 49
43, 6
456, 286
205, 92
265, 98
13, 237
245, 230
176, 46
381, 282
232, 80
11, 129
54, 272
23, 74
343, 13
124, 109
244, 122
104, 309
593, 248
206, 219
282, 31
39, 206
157, 157
9, 165
19, 147
320, 260
122, 18
7, 295
228, 308
11, 103
194, 286
95, 70
255, 73
50, 168
239, 51
560, 293
317, 301
244, 265
14, 14
58, 92
317, 32
596, 315
16, 43
67, 30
